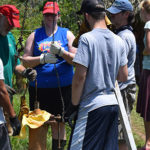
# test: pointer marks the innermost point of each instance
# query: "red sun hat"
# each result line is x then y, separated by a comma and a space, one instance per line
12, 14
51, 7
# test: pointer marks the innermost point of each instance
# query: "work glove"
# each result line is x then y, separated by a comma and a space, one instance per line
57, 49
10, 90
30, 74
15, 124
71, 114
48, 58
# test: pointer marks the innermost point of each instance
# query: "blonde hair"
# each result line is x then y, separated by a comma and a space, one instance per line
145, 5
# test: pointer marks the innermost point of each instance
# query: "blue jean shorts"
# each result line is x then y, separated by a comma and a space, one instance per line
4, 138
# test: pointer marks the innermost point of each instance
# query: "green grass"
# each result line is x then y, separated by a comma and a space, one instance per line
22, 144
137, 128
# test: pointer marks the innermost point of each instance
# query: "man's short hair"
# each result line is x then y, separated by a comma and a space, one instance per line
95, 8
91, 6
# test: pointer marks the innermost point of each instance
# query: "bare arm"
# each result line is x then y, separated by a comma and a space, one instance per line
78, 83
68, 56
147, 47
123, 74
5, 101
28, 59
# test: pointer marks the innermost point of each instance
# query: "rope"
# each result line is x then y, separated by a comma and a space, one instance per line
59, 87
75, 14
23, 30
57, 74
36, 102
24, 17
20, 40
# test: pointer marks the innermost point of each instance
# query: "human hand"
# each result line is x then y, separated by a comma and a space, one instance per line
30, 74
15, 124
71, 113
11, 91
57, 49
48, 58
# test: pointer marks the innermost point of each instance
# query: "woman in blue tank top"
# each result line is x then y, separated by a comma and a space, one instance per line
49, 50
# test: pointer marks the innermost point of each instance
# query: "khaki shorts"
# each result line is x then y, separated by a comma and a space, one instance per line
129, 96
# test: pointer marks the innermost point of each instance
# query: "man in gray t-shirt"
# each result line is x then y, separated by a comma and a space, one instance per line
122, 16
99, 61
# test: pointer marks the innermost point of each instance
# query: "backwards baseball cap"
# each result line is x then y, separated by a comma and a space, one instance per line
51, 7
12, 14
120, 5
90, 6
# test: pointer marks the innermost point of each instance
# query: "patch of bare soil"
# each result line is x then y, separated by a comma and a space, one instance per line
138, 131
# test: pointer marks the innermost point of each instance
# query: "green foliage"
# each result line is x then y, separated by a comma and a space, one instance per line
69, 17
33, 17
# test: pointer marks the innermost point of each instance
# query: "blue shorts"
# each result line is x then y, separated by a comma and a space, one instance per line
4, 138
96, 130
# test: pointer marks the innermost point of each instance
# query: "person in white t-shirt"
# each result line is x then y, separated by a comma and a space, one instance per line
6, 105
